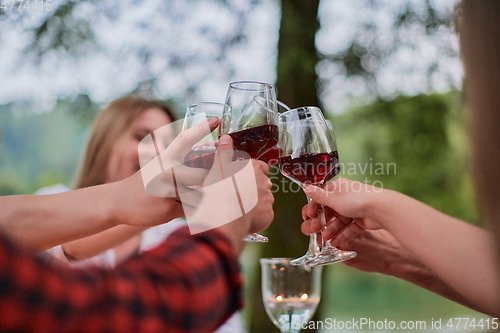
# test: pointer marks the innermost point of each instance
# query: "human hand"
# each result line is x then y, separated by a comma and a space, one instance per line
151, 196
237, 198
378, 252
348, 209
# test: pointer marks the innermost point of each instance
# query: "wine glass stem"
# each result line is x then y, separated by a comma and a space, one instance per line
325, 245
314, 244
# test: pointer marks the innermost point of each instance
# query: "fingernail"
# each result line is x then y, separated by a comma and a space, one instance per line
225, 140
213, 121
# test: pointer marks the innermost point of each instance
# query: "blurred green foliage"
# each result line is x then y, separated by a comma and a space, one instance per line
38, 149
415, 145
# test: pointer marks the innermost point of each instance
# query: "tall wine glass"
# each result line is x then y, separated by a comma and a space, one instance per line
290, 293
202, 154
309, 156
252, 122
252, 119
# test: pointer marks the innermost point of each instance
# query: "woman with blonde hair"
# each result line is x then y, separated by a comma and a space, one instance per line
112, 155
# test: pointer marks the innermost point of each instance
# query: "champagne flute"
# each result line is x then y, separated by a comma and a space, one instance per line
290, 293
309, 156
252, 122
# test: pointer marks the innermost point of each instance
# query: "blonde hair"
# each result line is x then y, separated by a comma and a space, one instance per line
112, 123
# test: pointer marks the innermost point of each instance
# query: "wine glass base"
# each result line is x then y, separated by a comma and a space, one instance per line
301, 261
332, 256
256, 238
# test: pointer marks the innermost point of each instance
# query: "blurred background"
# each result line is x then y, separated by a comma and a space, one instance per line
387, 73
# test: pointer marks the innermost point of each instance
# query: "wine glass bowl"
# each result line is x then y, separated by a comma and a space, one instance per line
290, 294
202, 154
252, 120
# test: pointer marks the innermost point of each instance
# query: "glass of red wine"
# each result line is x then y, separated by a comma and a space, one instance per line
309, 156
252, 122
202, 154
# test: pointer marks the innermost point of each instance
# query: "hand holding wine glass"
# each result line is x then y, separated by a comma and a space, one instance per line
309, 157
252, 122
202, 154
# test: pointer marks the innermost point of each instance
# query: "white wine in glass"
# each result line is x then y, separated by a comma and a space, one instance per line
290, 293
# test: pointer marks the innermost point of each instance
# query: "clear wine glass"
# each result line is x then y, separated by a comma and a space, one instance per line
290, 293
202, 154
309, 156
252, 122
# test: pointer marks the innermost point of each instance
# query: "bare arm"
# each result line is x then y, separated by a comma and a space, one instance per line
460, 254
41, 222
91, 246
379, 252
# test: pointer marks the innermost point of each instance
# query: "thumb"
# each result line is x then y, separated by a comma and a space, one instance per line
225, 150
319, 195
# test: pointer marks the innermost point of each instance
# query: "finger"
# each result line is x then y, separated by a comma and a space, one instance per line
319, 195
223, 157
311, 210
305, 216
305, 227
261, 165
350, 231
190, 176
183, 143
316, 225
335, 227
344, 220
193, 198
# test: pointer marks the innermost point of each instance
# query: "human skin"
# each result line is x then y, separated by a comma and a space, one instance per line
41, 222
460, 254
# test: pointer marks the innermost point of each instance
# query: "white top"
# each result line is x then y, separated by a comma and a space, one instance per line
150, 238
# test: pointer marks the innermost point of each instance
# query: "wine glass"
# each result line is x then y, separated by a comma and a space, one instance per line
252, 119
202, 154
290, 293
309, 156
282, 107
252, 122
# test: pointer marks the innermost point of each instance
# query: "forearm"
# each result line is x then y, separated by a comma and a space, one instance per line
461, 254
41, 222
91, 246
171, 288
413, 271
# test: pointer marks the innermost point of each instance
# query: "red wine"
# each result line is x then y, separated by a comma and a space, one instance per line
259, 142
200, 158
312, 168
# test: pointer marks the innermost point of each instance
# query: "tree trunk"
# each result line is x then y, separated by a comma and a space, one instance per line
296, 85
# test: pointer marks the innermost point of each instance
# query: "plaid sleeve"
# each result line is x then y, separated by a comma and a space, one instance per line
187, 284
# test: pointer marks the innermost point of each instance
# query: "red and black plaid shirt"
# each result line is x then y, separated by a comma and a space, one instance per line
187, 284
